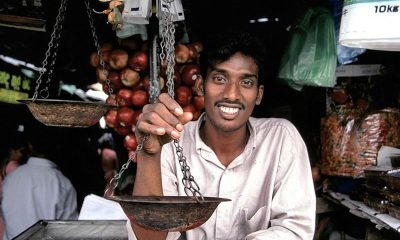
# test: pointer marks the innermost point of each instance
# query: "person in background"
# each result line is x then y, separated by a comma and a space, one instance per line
109, 160
17, 151
37, 190
261, 164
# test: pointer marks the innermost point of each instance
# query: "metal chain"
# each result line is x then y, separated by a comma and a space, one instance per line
168, 34
167, 55
190, 185
51, 50
163, 37
115, 179
97, 45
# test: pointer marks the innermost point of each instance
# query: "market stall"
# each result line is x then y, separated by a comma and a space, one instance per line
344, 101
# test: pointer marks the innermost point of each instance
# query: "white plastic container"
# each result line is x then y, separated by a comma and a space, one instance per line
371, 24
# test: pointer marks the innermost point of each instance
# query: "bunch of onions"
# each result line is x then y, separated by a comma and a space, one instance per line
127, 66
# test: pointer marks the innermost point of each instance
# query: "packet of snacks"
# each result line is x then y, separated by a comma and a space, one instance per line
350, 139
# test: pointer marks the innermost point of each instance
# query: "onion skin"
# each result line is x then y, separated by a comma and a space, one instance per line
115, 80
118, 59
123, 130
111, 118
140, 97
94, 59
139, 61
130, 142
129, 78
193, 52
181, 53
189, 74
124, 97
101, 77
183, 95
125, 116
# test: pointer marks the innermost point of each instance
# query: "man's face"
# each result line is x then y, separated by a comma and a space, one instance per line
231, 92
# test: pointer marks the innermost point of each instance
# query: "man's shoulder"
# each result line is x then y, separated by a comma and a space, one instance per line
270, 122
279, 126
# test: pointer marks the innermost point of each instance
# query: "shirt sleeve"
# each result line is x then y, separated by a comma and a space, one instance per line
293, 204
168, 169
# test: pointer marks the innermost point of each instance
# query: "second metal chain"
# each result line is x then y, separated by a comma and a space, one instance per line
97, 45
168, 56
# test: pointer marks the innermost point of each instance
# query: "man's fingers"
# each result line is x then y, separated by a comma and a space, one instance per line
171, 104
155, 124
145, 127
164, 119
176, 109
159, 114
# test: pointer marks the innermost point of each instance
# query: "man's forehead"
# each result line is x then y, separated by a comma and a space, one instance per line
236, 63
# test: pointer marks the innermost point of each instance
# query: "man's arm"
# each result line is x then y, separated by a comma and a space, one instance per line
162, 122
148, 182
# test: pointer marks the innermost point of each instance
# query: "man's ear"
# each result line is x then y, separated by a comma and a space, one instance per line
199, 85
260, 94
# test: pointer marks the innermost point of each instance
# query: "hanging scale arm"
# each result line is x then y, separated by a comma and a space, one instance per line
51, 50
167, 56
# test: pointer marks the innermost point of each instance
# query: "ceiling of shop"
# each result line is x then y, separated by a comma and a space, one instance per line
203, 19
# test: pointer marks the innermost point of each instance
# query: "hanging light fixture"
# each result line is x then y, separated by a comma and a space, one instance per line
371, 24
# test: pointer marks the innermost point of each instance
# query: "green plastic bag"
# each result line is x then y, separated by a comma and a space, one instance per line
310, 59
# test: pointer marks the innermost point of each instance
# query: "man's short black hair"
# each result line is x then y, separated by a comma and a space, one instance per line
223, 46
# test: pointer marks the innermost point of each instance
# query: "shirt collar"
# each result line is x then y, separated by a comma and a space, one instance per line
251, 144
253, 133
41, 162
198, 141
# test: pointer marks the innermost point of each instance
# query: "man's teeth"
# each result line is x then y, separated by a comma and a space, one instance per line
229, 110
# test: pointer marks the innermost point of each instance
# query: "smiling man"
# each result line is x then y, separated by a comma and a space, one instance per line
260, 164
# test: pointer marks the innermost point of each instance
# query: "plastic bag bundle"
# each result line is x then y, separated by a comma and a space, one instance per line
351, 140
345, 55
310, 58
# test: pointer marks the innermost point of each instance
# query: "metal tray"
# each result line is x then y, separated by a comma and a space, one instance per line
66, 113
168, 213
74, 230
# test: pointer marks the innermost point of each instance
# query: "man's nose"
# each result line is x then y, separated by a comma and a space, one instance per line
231, 91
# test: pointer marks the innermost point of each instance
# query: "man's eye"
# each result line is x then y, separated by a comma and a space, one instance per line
248, 83
219, 79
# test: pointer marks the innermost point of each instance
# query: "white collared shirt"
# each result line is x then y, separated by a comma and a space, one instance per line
36, 191
270, 183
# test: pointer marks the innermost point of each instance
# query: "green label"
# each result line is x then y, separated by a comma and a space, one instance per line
14, 82
11, 96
